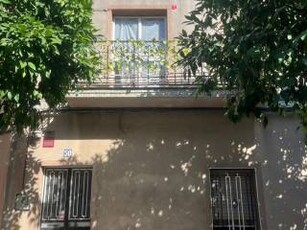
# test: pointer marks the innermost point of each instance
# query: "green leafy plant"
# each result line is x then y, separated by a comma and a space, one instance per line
46, 48
256, 49
135, 56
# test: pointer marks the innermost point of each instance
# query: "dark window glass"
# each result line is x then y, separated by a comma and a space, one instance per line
66, 199
234, 199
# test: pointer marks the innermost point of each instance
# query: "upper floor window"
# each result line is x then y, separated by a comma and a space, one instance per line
139, 28
234, 199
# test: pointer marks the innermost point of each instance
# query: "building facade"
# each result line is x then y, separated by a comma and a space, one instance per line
138, 150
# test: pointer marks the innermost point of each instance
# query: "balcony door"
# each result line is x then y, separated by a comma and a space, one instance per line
140, 28
139, 49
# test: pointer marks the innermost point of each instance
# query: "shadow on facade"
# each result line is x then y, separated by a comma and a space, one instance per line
22, 195
157, 177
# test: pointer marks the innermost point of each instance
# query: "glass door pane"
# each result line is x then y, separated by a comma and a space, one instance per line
153, 34
126, 29
153, 29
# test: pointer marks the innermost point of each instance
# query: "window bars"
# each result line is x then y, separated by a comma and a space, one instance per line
234, 199
66, 199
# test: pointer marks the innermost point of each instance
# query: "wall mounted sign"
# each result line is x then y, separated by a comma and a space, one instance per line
48, 139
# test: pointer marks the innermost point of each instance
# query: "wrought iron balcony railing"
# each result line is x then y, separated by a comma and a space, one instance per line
138, 64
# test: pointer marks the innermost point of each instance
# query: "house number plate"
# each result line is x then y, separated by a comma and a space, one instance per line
67, 153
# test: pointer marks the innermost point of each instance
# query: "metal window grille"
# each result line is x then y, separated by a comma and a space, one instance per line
66, 199
234, 199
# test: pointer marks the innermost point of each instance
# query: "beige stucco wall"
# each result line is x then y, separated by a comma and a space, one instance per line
104, 9
4, 162
283, 161
14, 180
150, 167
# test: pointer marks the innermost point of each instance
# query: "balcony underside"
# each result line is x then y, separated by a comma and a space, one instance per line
145, 98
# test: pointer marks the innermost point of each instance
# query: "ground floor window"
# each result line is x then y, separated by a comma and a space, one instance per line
66, 199
234, 199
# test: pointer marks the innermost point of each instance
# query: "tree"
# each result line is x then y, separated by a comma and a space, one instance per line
256, 49
46, 48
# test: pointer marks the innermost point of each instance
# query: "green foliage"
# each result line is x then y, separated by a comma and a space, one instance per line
133, 56
256, 49
46, 47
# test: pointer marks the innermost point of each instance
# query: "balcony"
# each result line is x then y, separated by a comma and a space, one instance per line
141, 74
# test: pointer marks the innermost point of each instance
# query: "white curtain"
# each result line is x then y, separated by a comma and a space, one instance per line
153, 29
126, 29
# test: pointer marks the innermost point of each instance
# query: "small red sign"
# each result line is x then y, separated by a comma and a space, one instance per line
48, 143
48, 140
